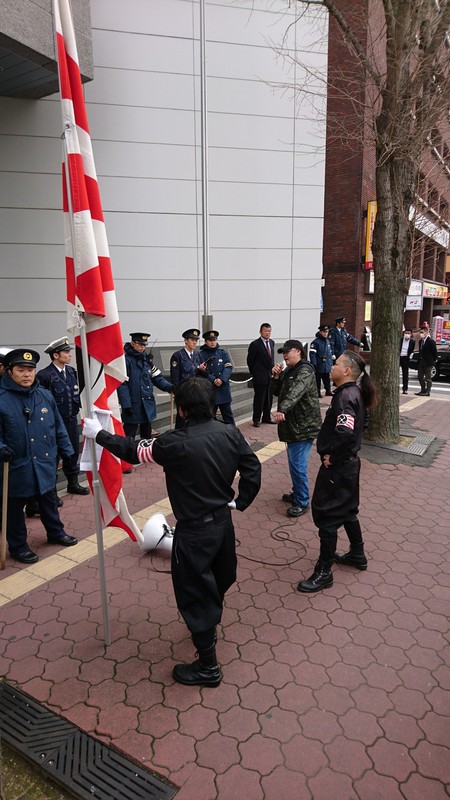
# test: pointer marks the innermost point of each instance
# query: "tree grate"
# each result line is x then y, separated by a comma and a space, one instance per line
78, 762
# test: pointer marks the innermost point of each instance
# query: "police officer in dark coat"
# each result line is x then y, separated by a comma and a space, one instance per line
218, 371
339, 337
200, 463
32, 434
62, 381
136, 395
335, 500
427, 360
186, 363
320, 357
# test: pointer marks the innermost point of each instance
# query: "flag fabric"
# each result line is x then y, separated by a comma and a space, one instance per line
90, 283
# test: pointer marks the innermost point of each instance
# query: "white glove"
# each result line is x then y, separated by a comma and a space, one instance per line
232, 504
91, 427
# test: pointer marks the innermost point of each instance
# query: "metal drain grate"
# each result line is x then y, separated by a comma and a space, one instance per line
83, 765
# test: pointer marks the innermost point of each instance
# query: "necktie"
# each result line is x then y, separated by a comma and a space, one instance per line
268, 348
64, 376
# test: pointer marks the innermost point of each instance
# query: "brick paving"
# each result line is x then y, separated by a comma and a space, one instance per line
344, 694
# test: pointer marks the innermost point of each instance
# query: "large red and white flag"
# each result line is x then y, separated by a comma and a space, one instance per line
90, 283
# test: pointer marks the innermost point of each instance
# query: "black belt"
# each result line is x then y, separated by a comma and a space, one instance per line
217, 515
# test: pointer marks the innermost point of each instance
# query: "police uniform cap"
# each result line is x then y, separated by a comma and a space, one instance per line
324, 327
340, 319
191, 333
290, 344
211, 335
140, 338
21, 357
58, 345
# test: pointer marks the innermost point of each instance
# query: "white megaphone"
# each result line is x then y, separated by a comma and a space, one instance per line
157, 535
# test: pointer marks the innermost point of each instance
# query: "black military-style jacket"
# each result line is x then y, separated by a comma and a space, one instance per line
342, 429
200, 463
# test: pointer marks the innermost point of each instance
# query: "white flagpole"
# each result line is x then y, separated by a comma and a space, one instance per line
90, 410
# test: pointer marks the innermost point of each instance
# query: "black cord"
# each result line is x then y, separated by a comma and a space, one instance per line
280, 535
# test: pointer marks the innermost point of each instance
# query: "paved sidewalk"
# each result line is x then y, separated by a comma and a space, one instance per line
343, 694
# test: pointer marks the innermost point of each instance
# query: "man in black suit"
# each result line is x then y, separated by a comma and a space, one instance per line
427, 360
260, 360
407, 345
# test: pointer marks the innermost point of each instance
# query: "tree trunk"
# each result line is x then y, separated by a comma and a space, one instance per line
391, 248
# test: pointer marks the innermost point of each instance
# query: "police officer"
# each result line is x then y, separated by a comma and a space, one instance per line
339, 337
186, 363
62, 381
335, 500
200, 463
218, 371
136, 395
32, 434
321, 358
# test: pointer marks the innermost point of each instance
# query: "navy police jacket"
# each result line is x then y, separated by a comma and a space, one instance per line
219, 366
320, 354
338, 340
31, 425
182, 367
137, 392
65, 392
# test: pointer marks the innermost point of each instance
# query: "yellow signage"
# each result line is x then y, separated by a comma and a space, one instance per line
371, 216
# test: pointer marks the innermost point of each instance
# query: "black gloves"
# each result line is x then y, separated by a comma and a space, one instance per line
127, 412
6, 454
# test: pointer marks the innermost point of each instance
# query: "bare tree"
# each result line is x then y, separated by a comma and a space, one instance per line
397, 82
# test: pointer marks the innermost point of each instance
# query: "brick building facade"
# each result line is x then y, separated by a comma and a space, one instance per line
350, 185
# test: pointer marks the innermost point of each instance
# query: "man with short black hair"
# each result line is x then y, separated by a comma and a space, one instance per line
427, 360
407, 345
200, 462
298, 417
260, 360
321, 358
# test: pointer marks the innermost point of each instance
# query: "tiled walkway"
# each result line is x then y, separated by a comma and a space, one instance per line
343, 694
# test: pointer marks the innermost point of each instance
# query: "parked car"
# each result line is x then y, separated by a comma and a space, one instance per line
442, 369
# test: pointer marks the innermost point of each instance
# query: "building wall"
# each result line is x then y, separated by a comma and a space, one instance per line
266, 174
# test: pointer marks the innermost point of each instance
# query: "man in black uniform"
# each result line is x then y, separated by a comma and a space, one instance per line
185, 363
62, 381
200, 462
336, 493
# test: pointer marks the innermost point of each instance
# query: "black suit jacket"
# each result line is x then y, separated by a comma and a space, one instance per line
427, 352
259, 361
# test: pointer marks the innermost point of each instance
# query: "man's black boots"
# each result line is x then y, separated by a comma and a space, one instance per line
73, 487
354, 558
320, 579
205, 671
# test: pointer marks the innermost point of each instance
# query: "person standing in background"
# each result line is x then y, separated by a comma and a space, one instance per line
260, 360
407, 345
321, 358
218, 372
339, 337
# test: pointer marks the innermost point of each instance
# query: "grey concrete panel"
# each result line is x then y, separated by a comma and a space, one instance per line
146, 195
144, 160
157, 17
30, 154
154, 230
155, 263
236, 199
235, 264
158, 126
142, 88
245, 164
139, 52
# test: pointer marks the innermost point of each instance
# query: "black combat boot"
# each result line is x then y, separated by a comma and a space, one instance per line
73, 487
320, 579
205, 671
355, 557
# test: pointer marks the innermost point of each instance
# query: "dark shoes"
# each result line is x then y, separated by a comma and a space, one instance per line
320, 579
76, 488
26, 557
31, 508
288, 498
422, 394
205, 671
269, 422
328, 394
351, 559
127, 471
256, 424
405, 391
64, 541
296, 511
